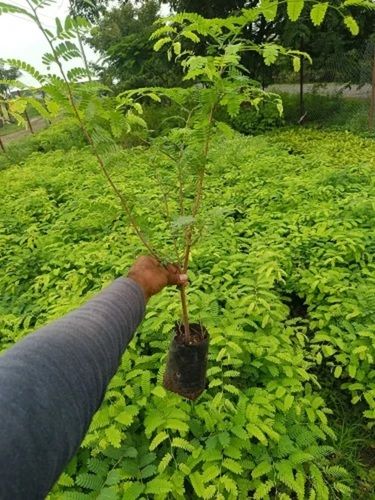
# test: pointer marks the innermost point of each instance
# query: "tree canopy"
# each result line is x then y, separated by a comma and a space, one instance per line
122, 37
91, 10
7, 74
122, 33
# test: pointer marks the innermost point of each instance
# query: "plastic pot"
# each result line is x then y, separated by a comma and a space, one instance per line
186, 369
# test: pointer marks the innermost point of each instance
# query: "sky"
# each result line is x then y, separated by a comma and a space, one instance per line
21, 39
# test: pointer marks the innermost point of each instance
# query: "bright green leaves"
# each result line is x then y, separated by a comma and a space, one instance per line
270, 54
158, 486
64, 50
70, 27
269, 9
6, 8
338, 372
294, 9
182, 443
274, 415
190, 35
261, 469
351, 24
296, 64
161, 42
158, 439
318, 13
177, 48
198, 485
233, 465
114, 436
27, 68
255, 431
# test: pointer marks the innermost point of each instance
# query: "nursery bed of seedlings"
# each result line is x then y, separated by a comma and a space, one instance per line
283, 279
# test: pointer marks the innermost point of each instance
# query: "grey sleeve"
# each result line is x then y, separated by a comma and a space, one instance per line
53, 381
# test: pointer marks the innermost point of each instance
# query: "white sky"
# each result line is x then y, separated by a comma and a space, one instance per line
21, 39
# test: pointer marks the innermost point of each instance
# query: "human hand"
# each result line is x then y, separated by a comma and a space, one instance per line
152, 276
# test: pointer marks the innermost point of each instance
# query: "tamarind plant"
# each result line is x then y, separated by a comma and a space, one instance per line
218, 82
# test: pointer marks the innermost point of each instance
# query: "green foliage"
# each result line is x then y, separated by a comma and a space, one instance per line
122, 38
62, 135
335, 112
286, 221
277, 222
252, 121
6, 74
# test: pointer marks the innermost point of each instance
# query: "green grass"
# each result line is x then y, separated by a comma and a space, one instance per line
337, 113
14, 127
9, 129
283, 278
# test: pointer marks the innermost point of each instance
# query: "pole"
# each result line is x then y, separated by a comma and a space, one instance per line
301, 91
372, 105
45, 104
28, 122
27, 117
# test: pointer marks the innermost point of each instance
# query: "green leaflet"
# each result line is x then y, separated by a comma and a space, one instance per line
260, 469
161, 42
158, 439
351, 24
318, 13
294, 9
269, 9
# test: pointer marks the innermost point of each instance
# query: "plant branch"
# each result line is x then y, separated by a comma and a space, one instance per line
189, 231
199, 192
168, 214
124, 203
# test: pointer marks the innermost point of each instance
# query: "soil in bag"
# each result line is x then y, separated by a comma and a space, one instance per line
186, 369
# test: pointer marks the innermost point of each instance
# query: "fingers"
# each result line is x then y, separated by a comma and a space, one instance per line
175, 276
183, 279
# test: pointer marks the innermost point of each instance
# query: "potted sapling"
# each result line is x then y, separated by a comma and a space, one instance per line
217, 86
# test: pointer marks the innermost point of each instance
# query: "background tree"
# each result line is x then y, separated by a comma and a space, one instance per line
90, 10
122, 37
211, 8
336, 54
9, 73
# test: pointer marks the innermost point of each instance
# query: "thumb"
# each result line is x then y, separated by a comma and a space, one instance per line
175, 277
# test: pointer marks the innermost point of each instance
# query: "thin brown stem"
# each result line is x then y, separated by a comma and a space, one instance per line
81, 47
185, 313
179, 170
199, 193
168, 215
123, 201
189, 231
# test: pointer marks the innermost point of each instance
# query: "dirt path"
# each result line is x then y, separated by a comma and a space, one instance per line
36, 123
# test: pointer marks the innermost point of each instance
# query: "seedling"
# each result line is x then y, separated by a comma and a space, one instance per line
218, 84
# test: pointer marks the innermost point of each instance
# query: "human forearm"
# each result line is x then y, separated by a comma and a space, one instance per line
54, 381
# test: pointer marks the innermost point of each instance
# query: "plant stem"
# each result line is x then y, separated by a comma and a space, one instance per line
123, 201
79, 38
185, 313
189, 232
199, 193
168, 215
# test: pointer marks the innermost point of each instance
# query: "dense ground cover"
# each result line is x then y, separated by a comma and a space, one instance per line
283, 279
